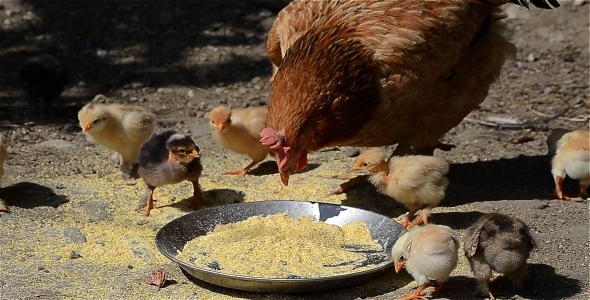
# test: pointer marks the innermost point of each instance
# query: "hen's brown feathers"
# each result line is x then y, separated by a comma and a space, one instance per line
416, 68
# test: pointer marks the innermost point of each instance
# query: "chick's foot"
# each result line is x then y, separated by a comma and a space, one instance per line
442, 287
242, 172
417, 294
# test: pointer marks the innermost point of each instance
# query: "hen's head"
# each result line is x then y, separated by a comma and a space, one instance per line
220, 118
289, 158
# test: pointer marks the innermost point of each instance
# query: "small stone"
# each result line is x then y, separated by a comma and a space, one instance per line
97, 211
69, 127
531, 57
129, 267
200, 114
243, 90
164, 90
190, 93
133, 99
75, 255
255, 80
74, 235
350, 151
101, 53
137, 85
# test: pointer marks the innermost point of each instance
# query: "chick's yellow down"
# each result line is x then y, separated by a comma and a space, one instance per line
239, 130
427, 252
572, 158
3, 157
122, 128
418, 182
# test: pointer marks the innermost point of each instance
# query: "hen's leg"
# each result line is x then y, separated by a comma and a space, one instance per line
245, 170
417, 294
197, 195
351, 183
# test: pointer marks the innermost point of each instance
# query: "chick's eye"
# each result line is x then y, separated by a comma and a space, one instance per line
182, 151
402, 258
95, 121
365, 164
212, 122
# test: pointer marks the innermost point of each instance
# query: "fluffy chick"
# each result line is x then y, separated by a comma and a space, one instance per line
572, 158
427, 252
500, 243
239, 130
418, 182
3, 157
122, 128
169, 158
44, 79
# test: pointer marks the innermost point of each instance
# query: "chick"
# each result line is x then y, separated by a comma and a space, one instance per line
572, 158
418, 182
553, 138
239, 130
44, 79
122, 128
499, 243
169, 158
427, 252
3, 157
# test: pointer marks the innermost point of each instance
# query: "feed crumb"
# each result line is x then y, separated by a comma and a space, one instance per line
279, 246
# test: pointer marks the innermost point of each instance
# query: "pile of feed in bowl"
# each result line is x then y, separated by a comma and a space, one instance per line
279, 246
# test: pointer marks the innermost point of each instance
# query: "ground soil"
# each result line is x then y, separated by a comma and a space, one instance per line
72, 232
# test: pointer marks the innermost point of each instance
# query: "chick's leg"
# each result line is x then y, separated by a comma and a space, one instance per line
407, 222
245, 170
443, 287
559, 187
147, 202
351, 183
582, 191
417, 294
197, 195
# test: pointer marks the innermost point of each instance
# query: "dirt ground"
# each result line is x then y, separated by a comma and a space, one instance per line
72, 232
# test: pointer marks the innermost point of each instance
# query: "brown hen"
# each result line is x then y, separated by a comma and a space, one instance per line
373, 73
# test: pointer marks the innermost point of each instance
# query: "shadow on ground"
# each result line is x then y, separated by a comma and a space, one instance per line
31, 195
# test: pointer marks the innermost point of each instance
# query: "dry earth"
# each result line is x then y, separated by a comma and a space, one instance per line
71, 232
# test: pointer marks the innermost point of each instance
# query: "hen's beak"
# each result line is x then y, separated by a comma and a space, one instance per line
85, 128
398, 267
285, 177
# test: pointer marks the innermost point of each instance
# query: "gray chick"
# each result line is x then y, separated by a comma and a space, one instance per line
500, 243
169, 158
44, 79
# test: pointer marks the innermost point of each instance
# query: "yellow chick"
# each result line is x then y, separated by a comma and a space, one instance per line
239, 130
3, 157
427, 252
122, 128
418, 182
572, 158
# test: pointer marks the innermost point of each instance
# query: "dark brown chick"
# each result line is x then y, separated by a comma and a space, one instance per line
169, 158
44, 79
500, 243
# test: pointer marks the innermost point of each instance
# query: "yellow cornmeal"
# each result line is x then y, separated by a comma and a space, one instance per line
279, 246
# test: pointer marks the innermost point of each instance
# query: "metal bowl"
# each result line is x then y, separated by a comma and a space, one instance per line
172, 237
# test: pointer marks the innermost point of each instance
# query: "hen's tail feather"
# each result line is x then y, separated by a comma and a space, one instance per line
537, 3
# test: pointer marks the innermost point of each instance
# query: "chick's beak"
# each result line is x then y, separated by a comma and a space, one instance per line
398, 267
85, 128
356, 168
221, 126
195, 154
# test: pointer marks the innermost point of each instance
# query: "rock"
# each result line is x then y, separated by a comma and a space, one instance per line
350, 151
101, 53
69, 127
97, 211
74, 235
75, 255
56, 144
470, 135
165, 91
